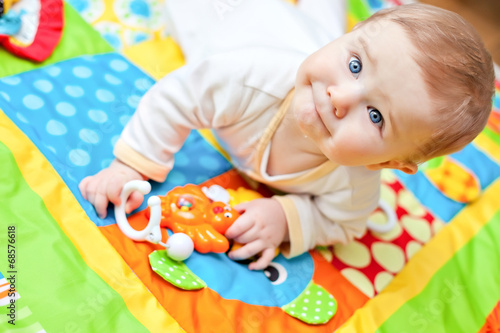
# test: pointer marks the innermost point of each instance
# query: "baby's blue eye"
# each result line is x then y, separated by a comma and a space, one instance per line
375, 116
355, 65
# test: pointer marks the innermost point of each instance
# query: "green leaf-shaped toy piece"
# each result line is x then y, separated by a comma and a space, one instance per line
175, 272
314, 305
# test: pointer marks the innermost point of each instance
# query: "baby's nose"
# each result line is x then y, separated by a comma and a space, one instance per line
343, 100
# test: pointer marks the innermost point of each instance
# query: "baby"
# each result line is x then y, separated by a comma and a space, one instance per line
408, 84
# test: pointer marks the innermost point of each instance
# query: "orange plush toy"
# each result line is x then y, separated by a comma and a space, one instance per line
188, 210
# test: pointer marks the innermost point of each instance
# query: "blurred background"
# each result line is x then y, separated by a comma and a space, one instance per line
484, 15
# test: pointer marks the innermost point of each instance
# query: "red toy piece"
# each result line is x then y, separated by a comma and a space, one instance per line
39, 41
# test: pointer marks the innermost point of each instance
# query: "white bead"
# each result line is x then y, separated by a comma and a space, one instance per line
179, 246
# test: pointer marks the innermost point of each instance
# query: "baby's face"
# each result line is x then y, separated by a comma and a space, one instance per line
362, 98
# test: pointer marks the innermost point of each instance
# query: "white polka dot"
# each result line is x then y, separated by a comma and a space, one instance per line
114, 139
176, 178
53, 71
319, 293
303, 314
33, 102
55, 127
208, 162
359, 280
418, 228
330, 313
178, 281
5, 96
74, 91
316, 317
411, 248
181, 159
82, 72
89, 136
304, 308
79, 157
143, 84
354, 254
194, 282
52, 149
43, 85
390, 256
382, 279
293, 305
88, 58
124, 119
166, 274
111, 79
104, 95
160, 262
317, 309
133, 101
306, 300
183, 277
22, 118
318, 302
407, 200
65, 109
118, 65
11, 81
171, 269
98, 116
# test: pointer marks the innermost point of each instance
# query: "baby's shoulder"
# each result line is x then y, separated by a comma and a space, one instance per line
267, 69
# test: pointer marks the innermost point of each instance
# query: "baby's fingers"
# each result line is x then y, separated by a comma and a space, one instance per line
240, 226
265, 259
83, 186
134, 201
246, 251
100, 202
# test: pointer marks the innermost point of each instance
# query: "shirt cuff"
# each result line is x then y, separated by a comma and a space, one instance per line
296, 245
139, 162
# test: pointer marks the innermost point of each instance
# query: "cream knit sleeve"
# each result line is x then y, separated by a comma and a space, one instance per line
336, 216
208, 94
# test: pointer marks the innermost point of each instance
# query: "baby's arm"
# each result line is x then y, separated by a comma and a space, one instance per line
262, 228
200, 95
106, 186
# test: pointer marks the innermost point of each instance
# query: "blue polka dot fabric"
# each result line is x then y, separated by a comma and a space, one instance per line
74, 112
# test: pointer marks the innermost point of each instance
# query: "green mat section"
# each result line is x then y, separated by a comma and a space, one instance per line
62, 293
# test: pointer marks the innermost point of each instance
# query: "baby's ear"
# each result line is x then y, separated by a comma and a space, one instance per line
407, 167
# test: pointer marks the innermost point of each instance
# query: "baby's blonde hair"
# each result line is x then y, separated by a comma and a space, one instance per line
457, 69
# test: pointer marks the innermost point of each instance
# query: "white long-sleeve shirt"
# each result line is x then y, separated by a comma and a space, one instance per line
241, 94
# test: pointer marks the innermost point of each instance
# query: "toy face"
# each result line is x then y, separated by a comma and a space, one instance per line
288, 278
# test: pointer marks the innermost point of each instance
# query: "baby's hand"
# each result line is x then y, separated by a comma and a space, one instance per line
262, 228
106, 186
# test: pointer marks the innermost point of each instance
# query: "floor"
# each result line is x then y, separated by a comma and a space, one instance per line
484, 15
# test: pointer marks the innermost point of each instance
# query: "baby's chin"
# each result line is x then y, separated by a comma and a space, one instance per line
306, 115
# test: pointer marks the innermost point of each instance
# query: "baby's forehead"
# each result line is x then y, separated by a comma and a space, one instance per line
380, 30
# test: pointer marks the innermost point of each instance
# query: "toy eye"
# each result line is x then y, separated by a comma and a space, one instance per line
227, 208
276, 273
228, 215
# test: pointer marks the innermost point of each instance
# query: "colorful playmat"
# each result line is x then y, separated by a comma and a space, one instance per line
63, 269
